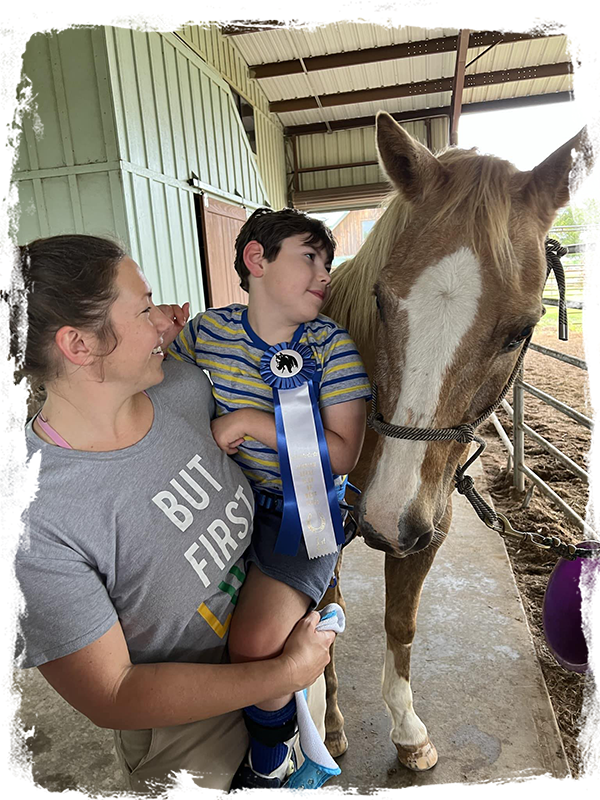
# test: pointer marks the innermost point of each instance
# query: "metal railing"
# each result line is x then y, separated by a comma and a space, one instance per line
582, 284
516, 447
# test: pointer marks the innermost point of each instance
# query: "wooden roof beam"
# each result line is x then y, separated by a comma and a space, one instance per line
325, 13
429, 113
458, 84
421, 88
372, 55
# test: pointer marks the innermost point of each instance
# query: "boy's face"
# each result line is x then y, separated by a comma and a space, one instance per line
297, 281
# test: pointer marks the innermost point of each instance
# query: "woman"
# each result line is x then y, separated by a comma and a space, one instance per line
133, 550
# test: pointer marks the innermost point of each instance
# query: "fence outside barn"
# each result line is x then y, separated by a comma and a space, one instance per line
582, 275
573, 263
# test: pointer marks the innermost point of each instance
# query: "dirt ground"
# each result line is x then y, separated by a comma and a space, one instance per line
532, 566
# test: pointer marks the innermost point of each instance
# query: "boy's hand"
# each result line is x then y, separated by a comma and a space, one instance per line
229, 431
178, 316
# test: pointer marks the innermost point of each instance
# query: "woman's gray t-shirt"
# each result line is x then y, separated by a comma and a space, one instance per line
152, 536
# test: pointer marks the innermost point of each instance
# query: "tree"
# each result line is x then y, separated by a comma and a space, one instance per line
582, 282
586, 214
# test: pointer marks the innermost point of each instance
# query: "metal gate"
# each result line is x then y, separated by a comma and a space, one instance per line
516, 447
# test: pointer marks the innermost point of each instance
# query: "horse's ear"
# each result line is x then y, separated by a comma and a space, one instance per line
546, 187
408, 164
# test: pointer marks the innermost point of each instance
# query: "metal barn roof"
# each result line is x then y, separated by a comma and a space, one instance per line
348, 71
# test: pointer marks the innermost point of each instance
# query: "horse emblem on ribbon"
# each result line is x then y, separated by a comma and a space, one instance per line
286, 361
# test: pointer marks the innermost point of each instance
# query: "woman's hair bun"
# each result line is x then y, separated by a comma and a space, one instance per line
9, 261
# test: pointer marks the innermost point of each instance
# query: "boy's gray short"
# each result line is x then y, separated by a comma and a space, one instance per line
311, 576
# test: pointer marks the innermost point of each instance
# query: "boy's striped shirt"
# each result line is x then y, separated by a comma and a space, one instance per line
221, 341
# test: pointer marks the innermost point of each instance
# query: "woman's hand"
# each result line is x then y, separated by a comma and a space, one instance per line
177, 316
307, 652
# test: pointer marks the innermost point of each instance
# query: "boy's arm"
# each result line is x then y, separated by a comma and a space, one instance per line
343, 391
344, 425
230, 429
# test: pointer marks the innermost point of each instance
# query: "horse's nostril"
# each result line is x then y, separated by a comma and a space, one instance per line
413, 540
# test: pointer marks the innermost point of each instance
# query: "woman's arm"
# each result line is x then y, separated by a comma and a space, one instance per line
101, 682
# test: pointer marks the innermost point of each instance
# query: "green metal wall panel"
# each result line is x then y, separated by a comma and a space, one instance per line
351, 146
220, 53
166, 96
77, 203
164, 240
271, 158
67, 169
127, 117
68, 74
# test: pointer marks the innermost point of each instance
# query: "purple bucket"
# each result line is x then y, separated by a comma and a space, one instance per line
562, 611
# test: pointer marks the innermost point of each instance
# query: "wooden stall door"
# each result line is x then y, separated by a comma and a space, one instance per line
221, 223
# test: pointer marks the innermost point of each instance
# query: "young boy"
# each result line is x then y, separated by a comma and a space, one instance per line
283, 259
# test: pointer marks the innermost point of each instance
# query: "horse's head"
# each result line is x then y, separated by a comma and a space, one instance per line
458, 291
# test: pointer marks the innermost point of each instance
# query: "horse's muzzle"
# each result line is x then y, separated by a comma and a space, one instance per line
407, 543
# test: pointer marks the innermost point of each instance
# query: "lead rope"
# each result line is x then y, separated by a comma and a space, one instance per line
554, 252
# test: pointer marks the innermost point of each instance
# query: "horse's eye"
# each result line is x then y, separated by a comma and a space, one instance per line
518, 340
379, 308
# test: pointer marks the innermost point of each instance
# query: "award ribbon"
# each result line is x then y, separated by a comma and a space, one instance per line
310, 503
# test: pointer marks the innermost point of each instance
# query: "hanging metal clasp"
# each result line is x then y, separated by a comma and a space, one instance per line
507, 528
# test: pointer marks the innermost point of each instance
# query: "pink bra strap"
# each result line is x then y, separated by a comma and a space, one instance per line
49, 431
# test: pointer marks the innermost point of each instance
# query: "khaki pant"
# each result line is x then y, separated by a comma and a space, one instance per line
211, 749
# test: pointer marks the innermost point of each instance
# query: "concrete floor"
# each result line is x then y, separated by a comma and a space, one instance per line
476, 681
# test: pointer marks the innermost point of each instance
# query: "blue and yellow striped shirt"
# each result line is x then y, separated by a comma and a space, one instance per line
222, 342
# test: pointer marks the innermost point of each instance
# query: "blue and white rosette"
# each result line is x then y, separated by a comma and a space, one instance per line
310, 503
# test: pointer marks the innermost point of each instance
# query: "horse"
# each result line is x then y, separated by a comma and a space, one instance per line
440, 301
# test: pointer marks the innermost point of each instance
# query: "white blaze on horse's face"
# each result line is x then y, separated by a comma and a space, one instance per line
440, 309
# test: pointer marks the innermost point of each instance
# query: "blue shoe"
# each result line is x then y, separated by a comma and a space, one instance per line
250, 785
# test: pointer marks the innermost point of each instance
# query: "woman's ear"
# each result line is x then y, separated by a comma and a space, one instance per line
253, 258
74, 345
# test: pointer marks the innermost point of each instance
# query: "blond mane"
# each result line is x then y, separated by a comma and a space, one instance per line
478, 190
352, 302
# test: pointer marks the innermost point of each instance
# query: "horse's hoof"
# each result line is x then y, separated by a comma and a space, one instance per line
336, 743
418, 757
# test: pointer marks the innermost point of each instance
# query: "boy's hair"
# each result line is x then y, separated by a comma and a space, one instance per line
269, 228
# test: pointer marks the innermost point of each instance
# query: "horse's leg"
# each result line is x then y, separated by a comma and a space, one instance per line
403, 582
335, 740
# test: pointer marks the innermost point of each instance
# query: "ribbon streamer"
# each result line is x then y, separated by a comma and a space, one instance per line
310, 503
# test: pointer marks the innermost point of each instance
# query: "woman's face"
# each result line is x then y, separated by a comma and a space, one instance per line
136, 361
